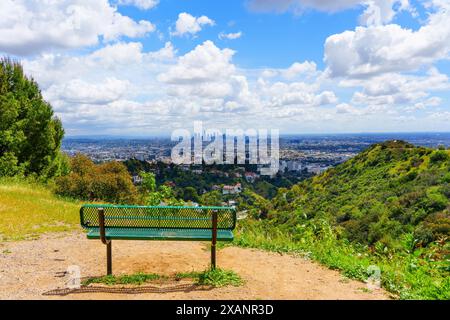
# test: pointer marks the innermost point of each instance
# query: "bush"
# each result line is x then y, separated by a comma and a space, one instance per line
439, 156
109, 181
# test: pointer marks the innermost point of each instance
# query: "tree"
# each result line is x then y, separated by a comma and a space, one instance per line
190, 194
148, 182
30, 134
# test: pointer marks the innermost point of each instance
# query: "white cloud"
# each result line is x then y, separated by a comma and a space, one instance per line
371, 110
81, 92
346, 108
297, 68
188, 24
141, 4
371, 51
440, 116
394, 88
28, 27
230, 36
380, 12
430, 102
206, 63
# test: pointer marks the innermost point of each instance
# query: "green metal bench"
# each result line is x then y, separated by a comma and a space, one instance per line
108, 222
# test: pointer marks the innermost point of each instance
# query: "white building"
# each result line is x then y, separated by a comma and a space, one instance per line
237, 188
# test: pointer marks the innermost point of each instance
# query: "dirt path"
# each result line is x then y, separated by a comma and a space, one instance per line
28, 269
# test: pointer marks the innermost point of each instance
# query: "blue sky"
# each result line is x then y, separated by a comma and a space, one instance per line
143, 67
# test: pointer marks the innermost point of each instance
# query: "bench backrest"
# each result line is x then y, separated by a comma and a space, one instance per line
158, 217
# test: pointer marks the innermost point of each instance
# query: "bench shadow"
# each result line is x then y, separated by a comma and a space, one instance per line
128, 290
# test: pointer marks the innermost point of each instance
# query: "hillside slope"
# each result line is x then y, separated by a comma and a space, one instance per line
390, 190
28, 210
386, 209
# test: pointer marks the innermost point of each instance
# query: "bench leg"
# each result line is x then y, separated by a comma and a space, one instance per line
213, 256
109, 258
214, 240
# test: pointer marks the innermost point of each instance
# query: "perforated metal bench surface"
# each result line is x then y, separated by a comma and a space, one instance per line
121, 222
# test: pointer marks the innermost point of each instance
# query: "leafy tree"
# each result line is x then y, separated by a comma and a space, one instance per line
190, 194
148, 181
30, 134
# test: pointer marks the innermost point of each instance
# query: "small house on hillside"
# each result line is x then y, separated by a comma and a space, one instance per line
237, 188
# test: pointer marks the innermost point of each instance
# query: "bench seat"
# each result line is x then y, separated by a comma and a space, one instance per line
160, 234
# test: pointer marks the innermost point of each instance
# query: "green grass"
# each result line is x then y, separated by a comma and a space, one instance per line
29, 209
215, 278
135, 279
406, 275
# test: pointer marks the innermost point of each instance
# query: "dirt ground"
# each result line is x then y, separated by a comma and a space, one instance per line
37, 270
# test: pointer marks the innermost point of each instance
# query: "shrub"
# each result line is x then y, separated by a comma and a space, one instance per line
109, 181
439, 156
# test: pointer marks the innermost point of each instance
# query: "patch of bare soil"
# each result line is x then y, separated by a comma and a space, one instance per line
37, 270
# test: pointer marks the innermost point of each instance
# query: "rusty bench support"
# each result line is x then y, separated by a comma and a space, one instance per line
101, 223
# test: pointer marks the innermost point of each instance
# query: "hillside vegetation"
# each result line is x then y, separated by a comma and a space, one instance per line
29, 209
381, 195
389, 207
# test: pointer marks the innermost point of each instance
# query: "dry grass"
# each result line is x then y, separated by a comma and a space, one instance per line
29, 209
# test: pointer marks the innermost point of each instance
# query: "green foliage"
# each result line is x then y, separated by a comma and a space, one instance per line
148, 183
439, 156
190, 194
409, 273
219, 278
214, 278
388, 206
30, 135
135, 279
9, 165
384, 192
213, 198
108, 182
152, 194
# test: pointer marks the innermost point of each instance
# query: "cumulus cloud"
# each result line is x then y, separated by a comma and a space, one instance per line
28, 27
205, 63
382, 11
297, 68
396, 89
141, 4
81, 92
188, 24
374, 50
230, 36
